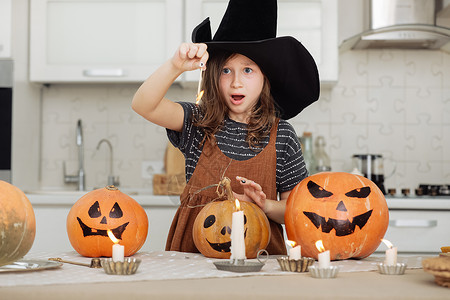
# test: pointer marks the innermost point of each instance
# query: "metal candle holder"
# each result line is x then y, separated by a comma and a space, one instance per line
329, 272
242, 265
397, 269
128, 266
295, 265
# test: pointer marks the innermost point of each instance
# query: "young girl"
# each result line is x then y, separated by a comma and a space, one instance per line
235, 130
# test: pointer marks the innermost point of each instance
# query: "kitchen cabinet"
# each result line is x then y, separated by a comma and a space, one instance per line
101, 40
418, 224
5, 28
312, 22
51, 210
125, 41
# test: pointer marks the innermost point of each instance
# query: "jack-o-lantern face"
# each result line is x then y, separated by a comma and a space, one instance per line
212, 229
101, 210
346, 211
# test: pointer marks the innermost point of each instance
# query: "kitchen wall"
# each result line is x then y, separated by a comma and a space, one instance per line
391, 102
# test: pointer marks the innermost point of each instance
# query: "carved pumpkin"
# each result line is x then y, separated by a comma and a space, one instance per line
17, 223
99, 210
212, 227
348, 212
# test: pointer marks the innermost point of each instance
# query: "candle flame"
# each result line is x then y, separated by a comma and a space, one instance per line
238, 205
387, 243
199, 97
112, 237
319, 246
291, 243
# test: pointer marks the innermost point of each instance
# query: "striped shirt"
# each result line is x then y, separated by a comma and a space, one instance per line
290, 169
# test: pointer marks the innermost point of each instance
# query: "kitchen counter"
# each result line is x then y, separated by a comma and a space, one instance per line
196, 278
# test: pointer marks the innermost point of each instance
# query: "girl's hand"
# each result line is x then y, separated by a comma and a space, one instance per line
190, 57
252, 193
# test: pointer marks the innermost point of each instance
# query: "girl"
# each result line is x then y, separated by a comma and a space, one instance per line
235, 130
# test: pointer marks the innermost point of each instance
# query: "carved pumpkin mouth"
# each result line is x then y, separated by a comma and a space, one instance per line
223, 247
342, 227
88, 231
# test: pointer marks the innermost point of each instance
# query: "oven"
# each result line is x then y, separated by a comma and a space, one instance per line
6, 83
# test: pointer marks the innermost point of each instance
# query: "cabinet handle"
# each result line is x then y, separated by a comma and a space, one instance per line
104, 73
413, 223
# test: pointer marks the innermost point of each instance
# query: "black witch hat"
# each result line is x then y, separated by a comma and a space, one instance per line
249, 28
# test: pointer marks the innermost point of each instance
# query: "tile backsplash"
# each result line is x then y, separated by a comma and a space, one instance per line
390, 102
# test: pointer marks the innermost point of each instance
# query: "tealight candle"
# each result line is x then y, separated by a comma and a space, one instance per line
324, 255
117, 249
237, 234
391, 253
294, 251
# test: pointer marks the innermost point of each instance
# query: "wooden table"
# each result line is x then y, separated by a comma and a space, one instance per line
414, 284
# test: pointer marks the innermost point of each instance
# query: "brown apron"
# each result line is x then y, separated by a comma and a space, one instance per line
211, 167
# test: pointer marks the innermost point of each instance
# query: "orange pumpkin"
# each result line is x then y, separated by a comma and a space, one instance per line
347, 212
17, 224
106, 209
212, 227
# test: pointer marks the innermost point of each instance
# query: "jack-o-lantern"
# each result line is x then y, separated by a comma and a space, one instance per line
212, 227
101, 210
17, 223
347, 212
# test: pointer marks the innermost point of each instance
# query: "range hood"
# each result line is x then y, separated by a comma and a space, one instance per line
402, 24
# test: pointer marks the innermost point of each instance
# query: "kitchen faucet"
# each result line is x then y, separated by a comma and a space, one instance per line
112, 180
80, 178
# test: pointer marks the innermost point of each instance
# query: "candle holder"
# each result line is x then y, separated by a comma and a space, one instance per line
330, 272
295, 265
127, 267
242, 265
397, 269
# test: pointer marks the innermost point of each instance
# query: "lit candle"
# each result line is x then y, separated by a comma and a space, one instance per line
295, 251
200, 93
391, 253
237, 233
117, 249
324, 256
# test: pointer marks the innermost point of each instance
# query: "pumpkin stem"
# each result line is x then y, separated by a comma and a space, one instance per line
225, 184
111, 188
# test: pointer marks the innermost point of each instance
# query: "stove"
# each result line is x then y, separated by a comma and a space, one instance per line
424, 190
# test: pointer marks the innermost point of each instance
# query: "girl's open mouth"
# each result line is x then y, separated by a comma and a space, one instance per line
237, 99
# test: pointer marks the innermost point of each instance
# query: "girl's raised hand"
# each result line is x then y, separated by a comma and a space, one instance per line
190, 57
252, 192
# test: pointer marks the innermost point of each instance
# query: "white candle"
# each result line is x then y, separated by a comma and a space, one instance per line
324, 259
118, 252
391, 256
324, 256
237, 234
391, 253
295, 253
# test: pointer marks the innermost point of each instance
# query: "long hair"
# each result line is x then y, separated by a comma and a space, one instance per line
213, 108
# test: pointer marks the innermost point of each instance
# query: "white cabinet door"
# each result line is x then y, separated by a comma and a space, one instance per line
312, 22
5, 28
102, 40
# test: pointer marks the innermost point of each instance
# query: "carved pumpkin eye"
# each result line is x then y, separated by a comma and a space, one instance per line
209, 221
116, 211
359, 192
94, 210
318, 191
245, 219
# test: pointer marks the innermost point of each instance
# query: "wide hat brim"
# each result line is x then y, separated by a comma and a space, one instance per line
290, 68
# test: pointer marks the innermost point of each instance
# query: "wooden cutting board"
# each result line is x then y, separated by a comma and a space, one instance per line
173, 160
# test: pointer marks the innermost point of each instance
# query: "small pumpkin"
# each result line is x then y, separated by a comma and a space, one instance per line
212, 227
17, 223
101, 210
347, 212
